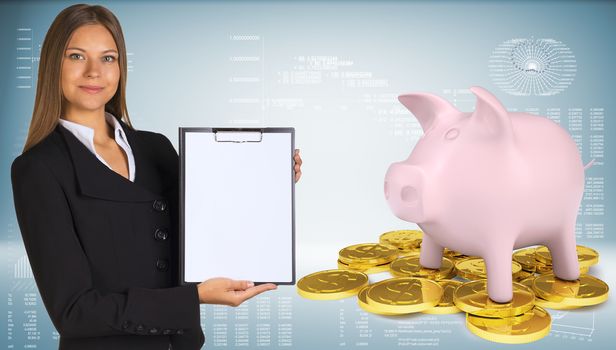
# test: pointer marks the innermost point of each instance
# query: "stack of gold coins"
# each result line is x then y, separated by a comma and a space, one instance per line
415, 288
400, 295
409, 266
473, 268
516, 322
408, 242
555, 293
526, 258
586, 258
367, 257
539, 260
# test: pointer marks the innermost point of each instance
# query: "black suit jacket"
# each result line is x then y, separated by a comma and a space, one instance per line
103, 249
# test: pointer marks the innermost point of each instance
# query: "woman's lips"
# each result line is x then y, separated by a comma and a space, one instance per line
91, 89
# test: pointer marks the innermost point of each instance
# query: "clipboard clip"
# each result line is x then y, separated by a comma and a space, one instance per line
238, 135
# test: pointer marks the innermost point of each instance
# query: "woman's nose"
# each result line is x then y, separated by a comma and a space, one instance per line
92, 69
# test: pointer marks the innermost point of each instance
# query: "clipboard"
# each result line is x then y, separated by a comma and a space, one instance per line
237, 204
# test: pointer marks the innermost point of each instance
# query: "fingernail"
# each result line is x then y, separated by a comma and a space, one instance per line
250, 284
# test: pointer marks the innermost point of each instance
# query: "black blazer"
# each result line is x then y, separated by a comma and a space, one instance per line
104, 250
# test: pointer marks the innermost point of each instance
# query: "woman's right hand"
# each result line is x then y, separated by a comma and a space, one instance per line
226, 291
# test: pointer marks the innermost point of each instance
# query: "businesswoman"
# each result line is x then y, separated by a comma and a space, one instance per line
97, 202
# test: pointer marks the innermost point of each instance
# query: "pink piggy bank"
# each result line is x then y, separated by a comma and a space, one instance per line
488, 182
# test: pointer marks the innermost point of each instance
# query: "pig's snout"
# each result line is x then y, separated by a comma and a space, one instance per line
403, 190
408, 194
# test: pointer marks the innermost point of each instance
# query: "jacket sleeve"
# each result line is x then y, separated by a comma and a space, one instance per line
62, 273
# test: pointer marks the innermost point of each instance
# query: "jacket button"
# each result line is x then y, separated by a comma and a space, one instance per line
180, 331
140, 328
159, 205
161, 264
153, 330
160, 234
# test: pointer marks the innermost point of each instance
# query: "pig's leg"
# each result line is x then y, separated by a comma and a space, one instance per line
431, 254
564, 254
498, 268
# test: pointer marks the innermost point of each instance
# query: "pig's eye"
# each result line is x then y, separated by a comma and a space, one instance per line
452, 133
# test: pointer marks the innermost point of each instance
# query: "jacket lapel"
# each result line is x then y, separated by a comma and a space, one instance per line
147, 172
95, 179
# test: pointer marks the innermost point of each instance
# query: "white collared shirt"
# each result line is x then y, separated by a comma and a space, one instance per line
86, 136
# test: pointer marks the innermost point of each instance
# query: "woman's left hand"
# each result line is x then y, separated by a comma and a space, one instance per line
298, 165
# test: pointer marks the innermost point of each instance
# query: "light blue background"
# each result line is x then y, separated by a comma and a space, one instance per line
181, 69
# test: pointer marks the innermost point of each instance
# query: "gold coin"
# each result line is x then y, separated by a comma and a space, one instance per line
362, 300
455, 256
522, 275
472, 297
456, 259
475, 268
405, 253
331, 284
452, 253
446, 305
402, 295
368, 253
526, 258
408, 251
586, 256
410, 267
365, 268
586, 290
542, 302
402, 239
528, 282
543, 269
533, 325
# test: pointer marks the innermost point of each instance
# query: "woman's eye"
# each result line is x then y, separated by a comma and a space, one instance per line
75, 56
109, 58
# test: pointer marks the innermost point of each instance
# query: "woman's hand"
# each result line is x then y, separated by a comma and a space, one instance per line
226, 291
298, 165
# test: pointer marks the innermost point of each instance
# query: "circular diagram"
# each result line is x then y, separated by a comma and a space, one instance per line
540, 67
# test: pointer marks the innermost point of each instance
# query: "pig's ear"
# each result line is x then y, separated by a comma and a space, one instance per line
427, 108
490, 115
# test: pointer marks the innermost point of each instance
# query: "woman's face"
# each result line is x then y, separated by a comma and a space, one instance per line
90, 69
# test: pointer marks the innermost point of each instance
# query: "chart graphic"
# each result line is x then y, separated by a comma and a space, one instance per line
532, 67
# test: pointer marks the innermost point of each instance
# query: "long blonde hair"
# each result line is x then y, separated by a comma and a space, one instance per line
48, 103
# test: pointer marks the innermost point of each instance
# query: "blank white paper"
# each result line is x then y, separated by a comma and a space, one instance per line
238, 219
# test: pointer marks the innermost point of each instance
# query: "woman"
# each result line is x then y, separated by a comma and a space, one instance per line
96, 202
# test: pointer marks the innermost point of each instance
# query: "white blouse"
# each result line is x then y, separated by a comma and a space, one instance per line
86, 136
